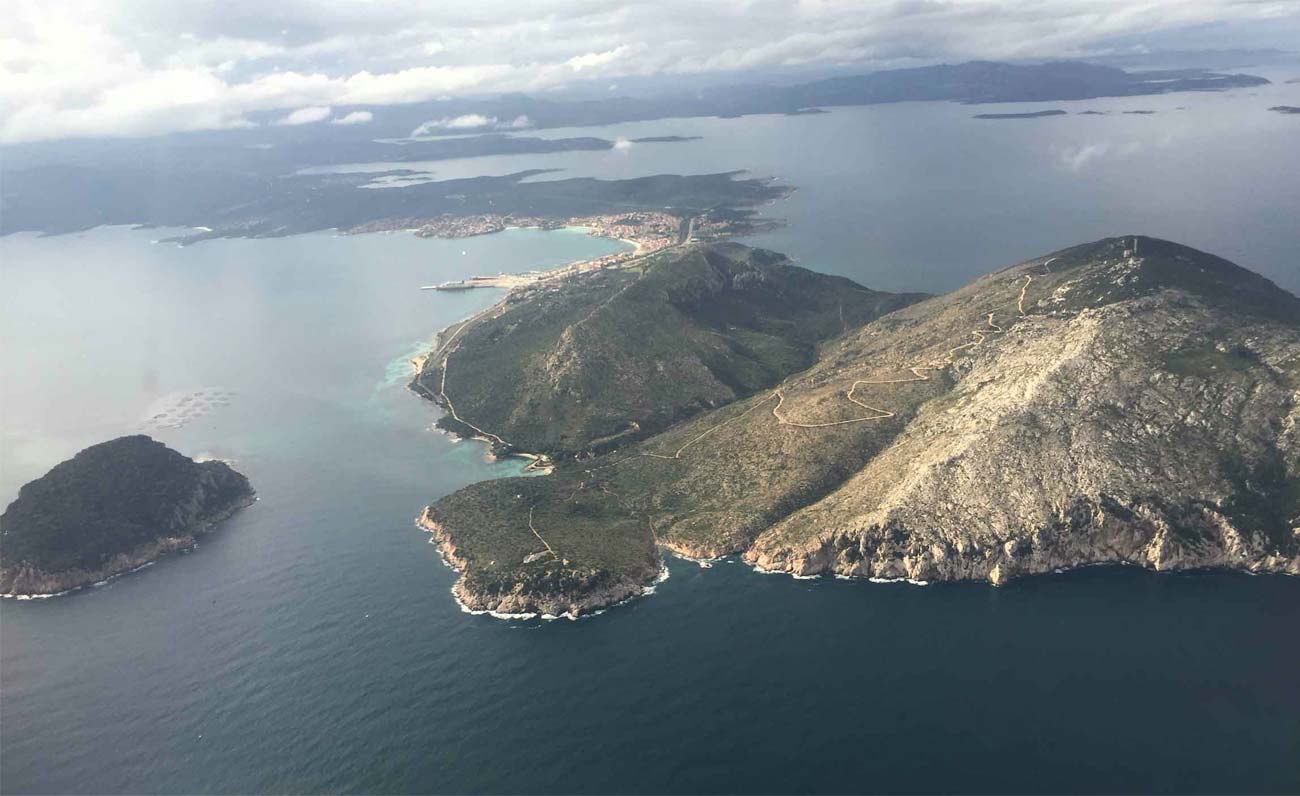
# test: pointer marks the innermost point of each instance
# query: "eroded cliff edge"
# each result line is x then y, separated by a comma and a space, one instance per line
1125, 401
112, 508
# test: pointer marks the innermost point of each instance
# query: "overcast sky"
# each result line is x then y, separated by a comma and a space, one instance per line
72, 68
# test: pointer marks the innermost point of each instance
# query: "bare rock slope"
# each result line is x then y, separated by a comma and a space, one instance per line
1129, 401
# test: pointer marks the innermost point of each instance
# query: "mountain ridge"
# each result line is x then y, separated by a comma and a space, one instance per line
1097, 405
617, 354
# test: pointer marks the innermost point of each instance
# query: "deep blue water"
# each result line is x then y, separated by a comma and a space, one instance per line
311, 644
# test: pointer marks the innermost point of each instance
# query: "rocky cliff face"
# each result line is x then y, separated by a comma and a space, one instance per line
112, 508
1129, 401
1073, 442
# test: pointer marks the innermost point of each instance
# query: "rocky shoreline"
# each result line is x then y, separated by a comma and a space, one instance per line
1148, 543
518, 601
1124, 402
28, 582
112, 508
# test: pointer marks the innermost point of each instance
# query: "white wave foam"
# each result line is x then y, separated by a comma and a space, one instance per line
504, 615
36, 596
704, 563
96, 584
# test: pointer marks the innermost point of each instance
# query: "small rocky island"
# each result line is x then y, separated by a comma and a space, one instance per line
1127, 401
112, 508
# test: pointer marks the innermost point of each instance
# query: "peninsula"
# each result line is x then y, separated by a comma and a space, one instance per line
566, 367
112, 508
1127, 401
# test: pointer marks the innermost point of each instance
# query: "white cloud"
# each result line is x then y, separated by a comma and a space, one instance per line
125, 67
1077, 158
588, 60
470, 121
356, 117
308, 115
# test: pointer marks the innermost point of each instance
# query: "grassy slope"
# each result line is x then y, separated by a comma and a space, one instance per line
692, 329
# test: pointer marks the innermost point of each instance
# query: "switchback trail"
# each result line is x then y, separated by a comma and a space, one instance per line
1020, 304
919, 373
533, 528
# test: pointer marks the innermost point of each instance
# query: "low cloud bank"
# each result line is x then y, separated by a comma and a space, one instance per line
470, 122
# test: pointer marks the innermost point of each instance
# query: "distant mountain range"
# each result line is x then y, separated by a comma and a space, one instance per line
971, 82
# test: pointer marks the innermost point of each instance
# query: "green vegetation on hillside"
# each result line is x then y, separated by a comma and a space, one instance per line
1088, 406
617, 354
111, 498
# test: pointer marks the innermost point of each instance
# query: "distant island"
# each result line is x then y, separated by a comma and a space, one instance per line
248, 206
1029, 115
112, 508
971, 82
274, 180
666, 139
1285, 109
1127, 401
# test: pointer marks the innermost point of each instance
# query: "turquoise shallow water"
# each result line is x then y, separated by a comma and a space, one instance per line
312, 645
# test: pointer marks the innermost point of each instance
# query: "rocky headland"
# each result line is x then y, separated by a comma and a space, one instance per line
1127, 401
112, 508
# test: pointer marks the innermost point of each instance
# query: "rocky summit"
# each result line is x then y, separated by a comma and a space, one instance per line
111, 508
1128, 401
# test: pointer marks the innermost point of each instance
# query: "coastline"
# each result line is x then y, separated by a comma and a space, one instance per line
518, 604
999, 566
640, 247
58, 584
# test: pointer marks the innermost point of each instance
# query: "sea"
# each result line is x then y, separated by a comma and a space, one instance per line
311, 644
